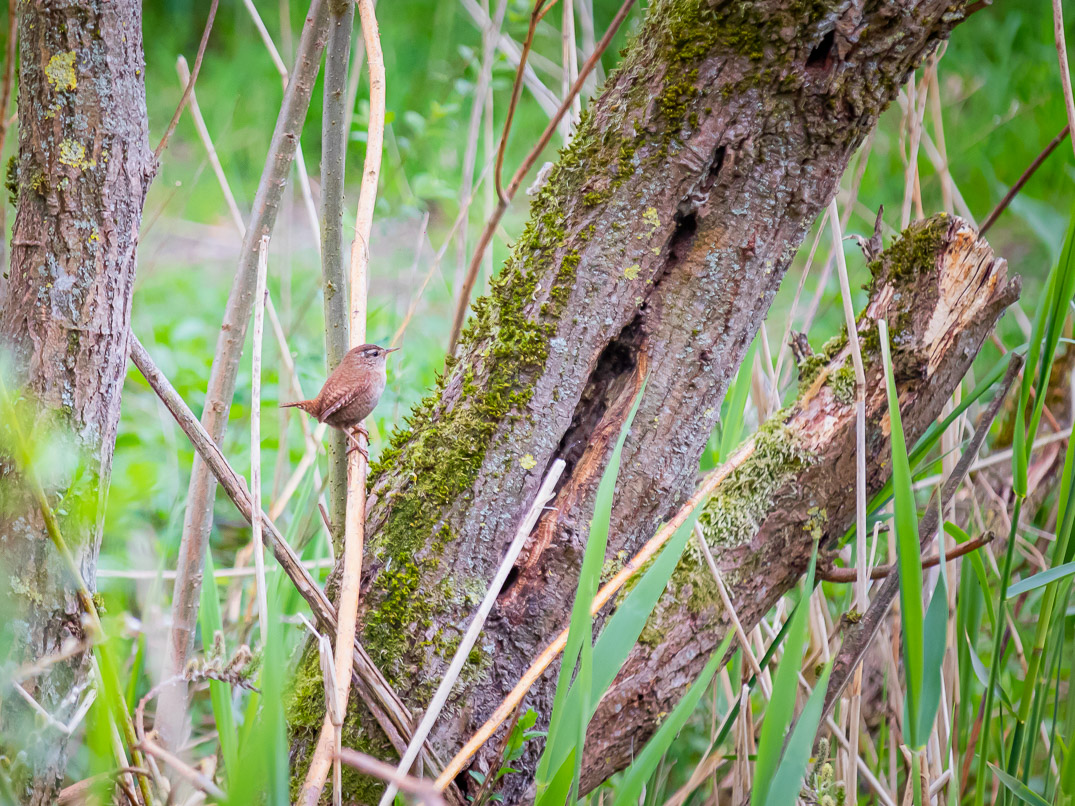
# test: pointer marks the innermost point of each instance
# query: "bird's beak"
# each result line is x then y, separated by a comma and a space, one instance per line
394, 349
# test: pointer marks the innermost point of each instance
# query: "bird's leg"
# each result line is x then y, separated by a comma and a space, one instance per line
361, 429
355, 444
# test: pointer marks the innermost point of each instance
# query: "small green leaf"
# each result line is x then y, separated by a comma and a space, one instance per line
1040, 579
1018, 788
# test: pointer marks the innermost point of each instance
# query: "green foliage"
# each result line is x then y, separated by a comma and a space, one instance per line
634, 779
567, 726
775, 770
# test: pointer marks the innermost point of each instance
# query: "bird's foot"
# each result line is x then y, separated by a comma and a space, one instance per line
356, 445
360, 449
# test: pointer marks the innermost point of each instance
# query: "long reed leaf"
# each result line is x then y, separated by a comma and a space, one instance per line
908, 552
781, 707
567, 726
640, 771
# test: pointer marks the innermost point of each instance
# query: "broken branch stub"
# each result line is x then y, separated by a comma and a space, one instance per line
941, 290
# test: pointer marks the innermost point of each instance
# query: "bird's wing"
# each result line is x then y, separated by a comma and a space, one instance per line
344, 397
337, 403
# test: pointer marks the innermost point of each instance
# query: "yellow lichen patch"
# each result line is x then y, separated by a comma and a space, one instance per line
528, 462
60, 71
651, 218
631, 272
73, 153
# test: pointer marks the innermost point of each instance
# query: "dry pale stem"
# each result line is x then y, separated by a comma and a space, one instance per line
354, 524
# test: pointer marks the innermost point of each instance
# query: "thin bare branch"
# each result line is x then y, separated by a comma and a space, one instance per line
848, 575
190, 82
328, 745
463, 300
1023, 179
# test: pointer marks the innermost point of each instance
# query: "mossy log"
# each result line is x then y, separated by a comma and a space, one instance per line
942, 291
657, 242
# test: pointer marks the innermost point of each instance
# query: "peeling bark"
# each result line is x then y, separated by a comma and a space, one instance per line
83, 167
658, 241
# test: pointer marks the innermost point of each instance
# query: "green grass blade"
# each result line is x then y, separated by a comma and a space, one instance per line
908, 551
932, 435
564, 729
781, 709
732, 427
1018, 788
1040, 579
935, 632
621, 631
641, 770
562, 783
789, 775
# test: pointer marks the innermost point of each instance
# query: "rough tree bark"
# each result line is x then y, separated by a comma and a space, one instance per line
660, 239
83, 167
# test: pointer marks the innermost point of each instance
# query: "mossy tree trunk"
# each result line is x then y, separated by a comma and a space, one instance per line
654, 249
82, 171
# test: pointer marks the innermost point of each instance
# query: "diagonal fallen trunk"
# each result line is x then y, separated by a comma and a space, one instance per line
658, 240
941, 290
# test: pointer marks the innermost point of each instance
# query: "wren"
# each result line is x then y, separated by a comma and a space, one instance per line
350, 393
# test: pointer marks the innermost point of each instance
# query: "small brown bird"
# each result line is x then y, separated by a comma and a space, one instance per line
350, 393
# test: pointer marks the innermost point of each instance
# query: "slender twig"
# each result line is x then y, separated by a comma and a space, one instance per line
462, 652
300, 162
729, 608
570, 67
328, 746
508, 193
860, 635
260, 293
470, 154
847, 575
516, 89
914, 111
190, 82
604, 595
1062, 58
335, 130
424, 791
1029, 172
221, 387
545, 97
